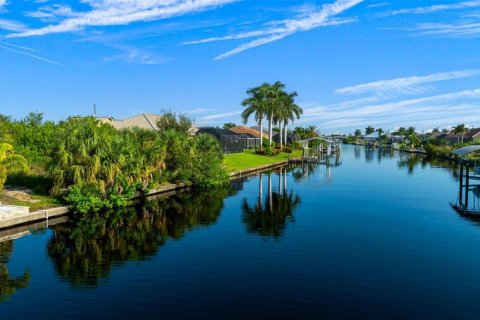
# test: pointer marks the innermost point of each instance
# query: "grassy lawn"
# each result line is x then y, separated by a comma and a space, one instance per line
248, 159
41, 202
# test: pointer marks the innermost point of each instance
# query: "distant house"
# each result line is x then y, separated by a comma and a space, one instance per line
146, 121
229, 141
372, 137
472, 135
143, 121
452, 138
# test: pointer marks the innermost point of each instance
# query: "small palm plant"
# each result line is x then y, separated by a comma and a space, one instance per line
10, 161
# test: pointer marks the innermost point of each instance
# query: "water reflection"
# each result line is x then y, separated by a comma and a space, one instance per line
84, 251
8, 284
270, 218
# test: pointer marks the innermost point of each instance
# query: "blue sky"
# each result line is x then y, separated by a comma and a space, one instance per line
353, 63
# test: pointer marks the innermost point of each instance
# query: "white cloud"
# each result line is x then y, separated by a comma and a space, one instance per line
3, 2
122, 12
52, 12
461, 28
432, 111
278, 30
408, 85
220, 116
137, 56
11, 25
436, 8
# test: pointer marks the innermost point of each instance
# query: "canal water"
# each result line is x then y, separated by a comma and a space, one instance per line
371, 236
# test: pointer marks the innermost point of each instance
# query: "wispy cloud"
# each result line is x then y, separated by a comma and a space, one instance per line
122, 12
435, 8
408, 85
12, 26
278, 30
52, 12
458, 29
137, 56
378, 5
436, 110
2, 3
25, 52
220, 116
19, 47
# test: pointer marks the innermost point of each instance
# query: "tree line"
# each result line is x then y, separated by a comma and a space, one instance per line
95, 167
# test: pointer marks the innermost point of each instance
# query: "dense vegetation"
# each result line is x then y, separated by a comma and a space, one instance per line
96, 167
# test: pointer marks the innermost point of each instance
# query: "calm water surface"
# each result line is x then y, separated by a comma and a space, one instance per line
374, 237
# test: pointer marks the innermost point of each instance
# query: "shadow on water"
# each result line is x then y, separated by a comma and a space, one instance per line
8, 284
84, 251
269, 216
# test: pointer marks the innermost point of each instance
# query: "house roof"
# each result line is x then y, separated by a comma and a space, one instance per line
144, 121
215, 131
473, 133
249, 131
257, 130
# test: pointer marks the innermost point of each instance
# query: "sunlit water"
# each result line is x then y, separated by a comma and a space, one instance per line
374, 237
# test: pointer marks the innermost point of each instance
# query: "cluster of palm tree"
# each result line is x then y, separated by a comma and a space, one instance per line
273, 103
94, 164
92, 153
308, 132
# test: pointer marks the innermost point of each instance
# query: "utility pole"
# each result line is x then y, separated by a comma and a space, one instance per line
94, 110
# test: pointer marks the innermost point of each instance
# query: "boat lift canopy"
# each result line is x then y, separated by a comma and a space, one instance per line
466, 150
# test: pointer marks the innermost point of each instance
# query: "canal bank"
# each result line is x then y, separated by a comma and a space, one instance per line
20, 217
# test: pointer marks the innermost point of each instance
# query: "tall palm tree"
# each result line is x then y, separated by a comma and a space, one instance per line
275, 96
292, 112
256, 103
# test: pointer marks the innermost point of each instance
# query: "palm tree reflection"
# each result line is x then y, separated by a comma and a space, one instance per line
271, 220
9, 285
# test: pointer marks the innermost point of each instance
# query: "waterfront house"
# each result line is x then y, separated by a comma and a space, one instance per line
251, 136
229, 141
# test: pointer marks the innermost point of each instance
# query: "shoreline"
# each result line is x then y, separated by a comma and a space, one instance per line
45, 214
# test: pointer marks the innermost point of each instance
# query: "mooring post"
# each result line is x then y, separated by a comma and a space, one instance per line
467, 182
461, 183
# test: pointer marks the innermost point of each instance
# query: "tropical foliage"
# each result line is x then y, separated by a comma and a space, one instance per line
96, 167
10, 161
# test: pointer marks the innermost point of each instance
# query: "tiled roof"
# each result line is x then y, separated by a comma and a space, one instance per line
246, 130
143, 121
473, 133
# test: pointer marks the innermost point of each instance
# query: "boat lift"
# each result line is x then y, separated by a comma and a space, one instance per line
465, 178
